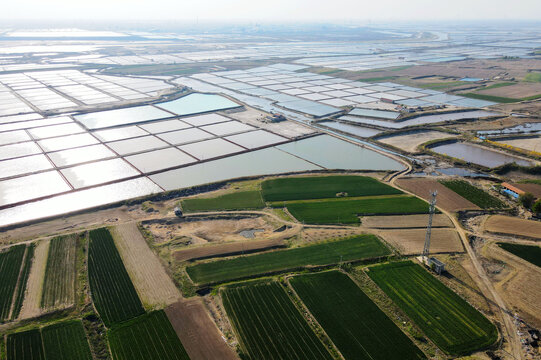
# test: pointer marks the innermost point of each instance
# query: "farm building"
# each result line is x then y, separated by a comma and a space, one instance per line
515, 190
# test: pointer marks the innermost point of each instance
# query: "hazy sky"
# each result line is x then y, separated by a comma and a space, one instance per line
274, 10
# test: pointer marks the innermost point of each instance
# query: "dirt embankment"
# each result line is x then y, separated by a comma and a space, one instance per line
447, 199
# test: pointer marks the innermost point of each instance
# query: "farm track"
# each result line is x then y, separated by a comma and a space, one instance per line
32, 300
154, 286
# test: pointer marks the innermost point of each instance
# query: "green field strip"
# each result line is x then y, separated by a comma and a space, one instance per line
25, 345
10, 267
303, 188
241, 200
358, 328
66, 341
530, 253
268, 325
477, 196
23, 279
112, 291
150, 336
346, 211
325, 253
450, 322
59, 279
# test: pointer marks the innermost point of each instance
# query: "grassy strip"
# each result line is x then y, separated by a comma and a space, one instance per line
10, 266
19, 297
498, 85
347, 211
301, 188
531, 181
498, 99
25, 345
268, 325
442, 85
453, 324
59, 281
66, 341
354, 323
530, 253
326, 253
473, 194
150, 336
533, 76
234, 201
113, 293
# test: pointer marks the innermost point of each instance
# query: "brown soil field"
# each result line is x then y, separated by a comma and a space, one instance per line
447, 199
530, 144
410, 142
154, 286
230, 248
508, 225
197, 332
405, 221
411, 241
210, 230
519, 284
517, 91
32, 298
496, 124
318, 234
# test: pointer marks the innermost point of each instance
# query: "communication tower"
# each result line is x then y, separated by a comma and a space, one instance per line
426, 249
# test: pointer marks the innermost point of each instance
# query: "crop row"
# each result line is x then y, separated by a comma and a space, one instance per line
23, 279
268, 325
320, 187
347, 211
326, 253
61, 341
453, 324
234, 201
10, 266
112, 291
150, 336
530, 253
59, 280
358, 328
477, 196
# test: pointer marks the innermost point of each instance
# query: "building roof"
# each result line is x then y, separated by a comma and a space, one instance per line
534, 189
513, 188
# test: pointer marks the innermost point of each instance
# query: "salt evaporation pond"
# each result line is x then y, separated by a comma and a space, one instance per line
478, 155
524, 128
360, 131
421, 120
198, 103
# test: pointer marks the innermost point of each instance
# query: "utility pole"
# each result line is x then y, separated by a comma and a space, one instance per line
426, 249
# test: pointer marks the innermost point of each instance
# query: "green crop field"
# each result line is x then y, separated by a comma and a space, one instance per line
150, 336
234, 201
25, 346
59, 281
66, 341
453, 324
529, 253
113, 293
326, 253
268, 325
473, 194
347, 211
23, 278
358, 328
302, 188
10, 266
